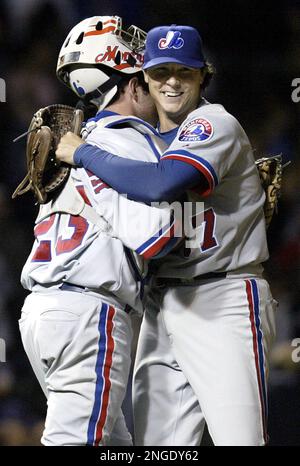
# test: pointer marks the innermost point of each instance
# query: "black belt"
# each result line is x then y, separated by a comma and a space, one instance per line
69, 287
80, 289
169, 281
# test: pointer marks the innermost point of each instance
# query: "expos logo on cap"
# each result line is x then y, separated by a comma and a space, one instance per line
172, 40
174, 44
198, 129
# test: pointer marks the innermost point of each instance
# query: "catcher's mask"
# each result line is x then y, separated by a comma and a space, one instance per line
95, 55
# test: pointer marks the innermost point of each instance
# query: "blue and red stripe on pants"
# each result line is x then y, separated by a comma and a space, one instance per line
103, 383
257, 336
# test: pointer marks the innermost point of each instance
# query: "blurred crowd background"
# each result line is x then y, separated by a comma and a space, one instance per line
255, 47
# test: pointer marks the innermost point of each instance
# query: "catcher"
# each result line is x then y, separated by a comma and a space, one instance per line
75, 323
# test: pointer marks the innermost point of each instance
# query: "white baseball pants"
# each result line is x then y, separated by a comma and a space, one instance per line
203, 357
79, 348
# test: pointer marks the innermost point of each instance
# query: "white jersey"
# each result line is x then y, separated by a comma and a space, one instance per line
71, 248
204, 344
232, 232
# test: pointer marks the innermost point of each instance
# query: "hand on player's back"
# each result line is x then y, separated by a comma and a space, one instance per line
67, 146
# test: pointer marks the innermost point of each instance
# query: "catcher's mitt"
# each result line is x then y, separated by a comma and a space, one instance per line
45, 173
270, 172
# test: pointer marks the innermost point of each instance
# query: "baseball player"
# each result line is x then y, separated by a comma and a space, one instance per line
204, 356
75, 324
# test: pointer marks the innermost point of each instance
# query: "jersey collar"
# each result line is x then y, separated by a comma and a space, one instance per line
102, 114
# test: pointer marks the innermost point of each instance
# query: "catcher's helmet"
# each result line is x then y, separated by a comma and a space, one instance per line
96, 53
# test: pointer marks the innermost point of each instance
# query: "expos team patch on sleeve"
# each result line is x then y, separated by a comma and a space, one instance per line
198, 129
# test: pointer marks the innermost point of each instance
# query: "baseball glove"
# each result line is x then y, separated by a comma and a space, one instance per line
270, 172
45, 174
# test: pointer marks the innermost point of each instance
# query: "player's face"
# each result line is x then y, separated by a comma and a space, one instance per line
175, 89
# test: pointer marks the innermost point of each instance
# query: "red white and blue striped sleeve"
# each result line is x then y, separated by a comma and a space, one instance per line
202, 165
165, 239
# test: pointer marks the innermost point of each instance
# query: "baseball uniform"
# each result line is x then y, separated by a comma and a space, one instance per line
216, 319
75, 324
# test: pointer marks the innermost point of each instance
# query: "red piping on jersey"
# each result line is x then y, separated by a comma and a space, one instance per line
160, 243
83, 194
199, 167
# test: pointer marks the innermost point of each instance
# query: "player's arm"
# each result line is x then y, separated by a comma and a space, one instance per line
141, 181
153, 231
195, 159
150, 231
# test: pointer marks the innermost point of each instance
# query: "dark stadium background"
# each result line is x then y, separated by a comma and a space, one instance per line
255, 47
